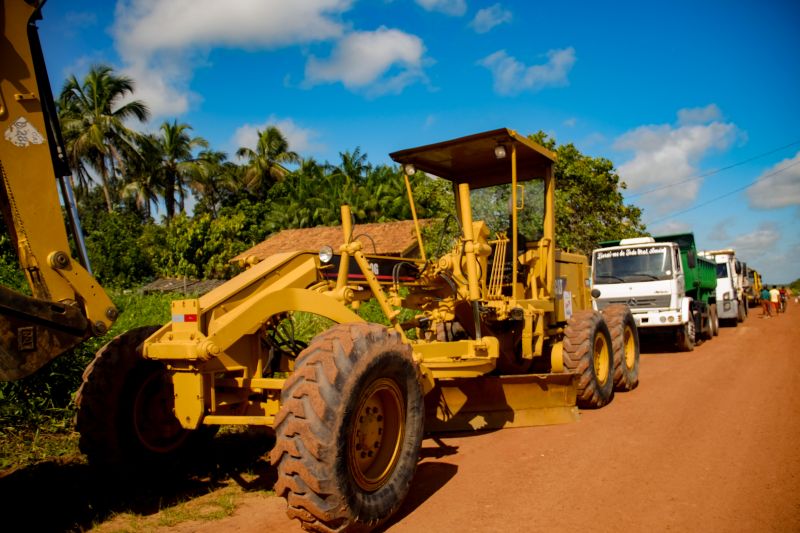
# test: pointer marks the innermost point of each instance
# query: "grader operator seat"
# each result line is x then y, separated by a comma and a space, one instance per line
498, 164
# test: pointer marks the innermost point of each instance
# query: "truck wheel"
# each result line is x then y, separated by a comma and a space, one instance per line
714, 318
686, 337
348, 433
740, 314
124, 408
625, 345
588, 353
706, 326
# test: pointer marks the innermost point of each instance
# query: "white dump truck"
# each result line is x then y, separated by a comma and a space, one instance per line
668, 288
731, 284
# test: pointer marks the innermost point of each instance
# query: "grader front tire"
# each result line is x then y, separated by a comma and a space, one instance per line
124, 408
349, 429
625, 344
588, 353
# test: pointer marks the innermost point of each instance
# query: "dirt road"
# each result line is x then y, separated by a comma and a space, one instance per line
710, 441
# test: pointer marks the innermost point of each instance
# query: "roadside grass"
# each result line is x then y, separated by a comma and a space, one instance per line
22, 447
207, 508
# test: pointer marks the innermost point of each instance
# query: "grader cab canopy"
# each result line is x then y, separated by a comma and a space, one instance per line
481, 160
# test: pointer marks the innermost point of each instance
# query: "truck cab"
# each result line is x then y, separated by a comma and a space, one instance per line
667, 286
645, 275
730, 287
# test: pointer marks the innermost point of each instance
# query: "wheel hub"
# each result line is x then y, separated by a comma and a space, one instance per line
153, 418
376, 434
601, 366
630, 348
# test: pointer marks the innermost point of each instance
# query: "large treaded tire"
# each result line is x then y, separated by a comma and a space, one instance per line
117, 383
625, 344
588, 353
322, 415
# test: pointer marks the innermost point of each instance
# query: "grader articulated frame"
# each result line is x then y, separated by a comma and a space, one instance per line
350, 407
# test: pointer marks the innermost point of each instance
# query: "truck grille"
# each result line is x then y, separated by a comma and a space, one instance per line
641, 302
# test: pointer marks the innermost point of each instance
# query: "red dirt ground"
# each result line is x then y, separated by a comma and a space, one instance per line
710, 441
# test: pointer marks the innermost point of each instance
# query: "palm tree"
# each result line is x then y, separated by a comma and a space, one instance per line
178, 163
213, 179
93, 122
265, 164
143, 179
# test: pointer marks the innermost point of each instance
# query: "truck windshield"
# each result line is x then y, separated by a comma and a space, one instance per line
632, 264
722, 270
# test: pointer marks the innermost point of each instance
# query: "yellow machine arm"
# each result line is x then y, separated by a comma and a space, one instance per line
68, 305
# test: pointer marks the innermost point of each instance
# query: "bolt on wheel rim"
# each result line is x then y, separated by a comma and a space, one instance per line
376, 434
600, 358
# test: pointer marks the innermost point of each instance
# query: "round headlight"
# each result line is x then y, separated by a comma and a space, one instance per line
325, 254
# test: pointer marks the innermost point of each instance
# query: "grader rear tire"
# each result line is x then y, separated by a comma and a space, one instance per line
124, 408
349, 429
588, 353
625, 345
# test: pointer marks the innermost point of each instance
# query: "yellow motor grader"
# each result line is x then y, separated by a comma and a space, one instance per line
501, 331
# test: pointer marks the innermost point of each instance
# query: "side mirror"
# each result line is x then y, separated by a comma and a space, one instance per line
691, 258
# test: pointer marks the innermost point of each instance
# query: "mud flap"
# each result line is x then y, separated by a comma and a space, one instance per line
495, 402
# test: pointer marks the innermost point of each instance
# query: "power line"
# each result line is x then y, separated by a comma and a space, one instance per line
720, 197
712, 172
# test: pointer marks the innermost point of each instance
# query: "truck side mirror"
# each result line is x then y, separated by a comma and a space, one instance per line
691, 258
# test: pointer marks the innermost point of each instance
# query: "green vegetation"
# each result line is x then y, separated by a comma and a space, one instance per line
795, 286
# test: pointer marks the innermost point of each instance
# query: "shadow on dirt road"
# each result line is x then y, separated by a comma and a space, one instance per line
69, 495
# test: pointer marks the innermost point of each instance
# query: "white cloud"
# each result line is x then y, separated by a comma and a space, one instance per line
301, 140
488, 18
570, 122
777, 187
161, 43
666, 154
670, 227
719, 231
757, 244
149, 26
512, 77
699, 115
164, 89
455, 8
364, 60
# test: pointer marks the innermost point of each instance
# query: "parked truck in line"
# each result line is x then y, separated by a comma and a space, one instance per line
753, 291
668, 288
731, 285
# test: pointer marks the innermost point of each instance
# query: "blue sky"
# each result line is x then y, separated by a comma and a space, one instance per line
672, 92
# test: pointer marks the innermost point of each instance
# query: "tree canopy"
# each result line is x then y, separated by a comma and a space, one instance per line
167, 203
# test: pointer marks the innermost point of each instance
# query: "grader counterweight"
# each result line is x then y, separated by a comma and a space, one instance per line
350, 406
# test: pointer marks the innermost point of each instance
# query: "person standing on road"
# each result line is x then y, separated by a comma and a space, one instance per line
775, 298
765, 303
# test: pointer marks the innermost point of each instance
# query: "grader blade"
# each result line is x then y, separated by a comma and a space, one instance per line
495, 402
